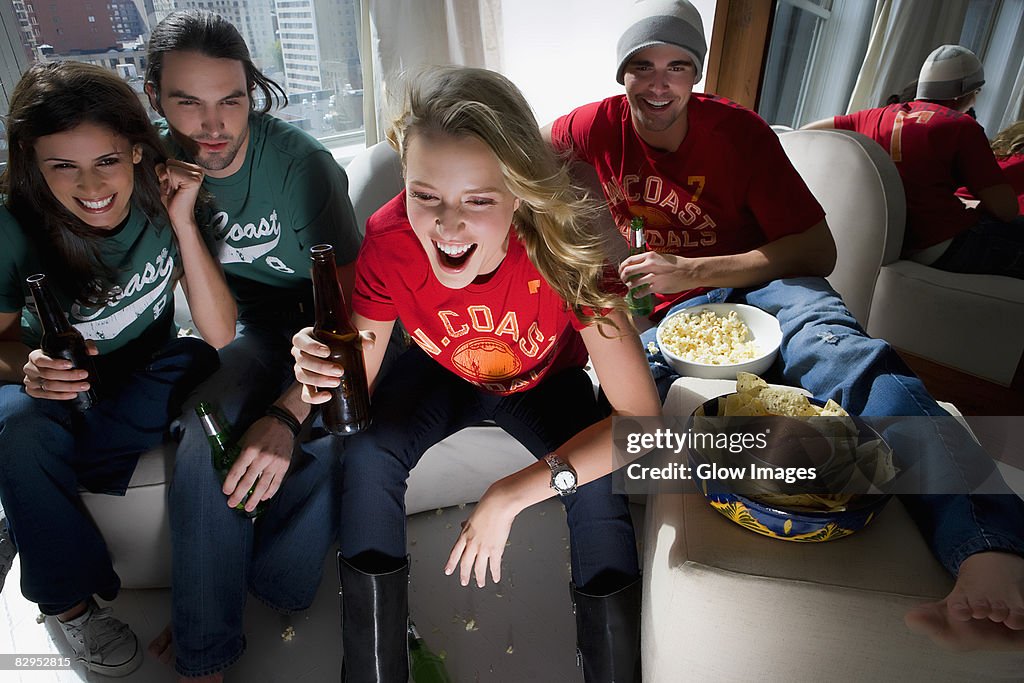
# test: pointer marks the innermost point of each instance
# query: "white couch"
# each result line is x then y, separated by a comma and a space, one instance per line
974, 323
723, 603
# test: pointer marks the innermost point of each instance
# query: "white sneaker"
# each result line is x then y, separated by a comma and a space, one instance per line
7, 550
104, 644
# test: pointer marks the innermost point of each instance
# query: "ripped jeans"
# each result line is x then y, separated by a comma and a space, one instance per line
825, 351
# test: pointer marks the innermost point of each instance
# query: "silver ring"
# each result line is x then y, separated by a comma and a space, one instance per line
42, 384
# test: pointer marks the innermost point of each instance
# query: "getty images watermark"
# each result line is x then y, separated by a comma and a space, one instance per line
800, 455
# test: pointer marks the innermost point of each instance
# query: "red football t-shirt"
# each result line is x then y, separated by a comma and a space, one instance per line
503, 335
936, 150
729, 188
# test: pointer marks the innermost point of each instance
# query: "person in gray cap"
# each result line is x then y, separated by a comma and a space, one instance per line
937, 148
727, 218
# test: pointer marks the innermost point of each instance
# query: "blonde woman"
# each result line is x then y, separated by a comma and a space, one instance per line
1008, 147
486, 261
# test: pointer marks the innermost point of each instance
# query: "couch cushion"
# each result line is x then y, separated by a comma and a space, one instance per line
723, 603
972, 322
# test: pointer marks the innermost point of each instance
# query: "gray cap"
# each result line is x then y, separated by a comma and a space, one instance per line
663, 22
949, 72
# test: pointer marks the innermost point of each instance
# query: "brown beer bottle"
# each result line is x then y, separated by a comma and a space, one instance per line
60, 339
348, 411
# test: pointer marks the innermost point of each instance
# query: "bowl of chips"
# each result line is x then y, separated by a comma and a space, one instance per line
715, 341
807, 472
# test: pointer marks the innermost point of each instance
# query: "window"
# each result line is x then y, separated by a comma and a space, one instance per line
309, 47
818, 46
814, 57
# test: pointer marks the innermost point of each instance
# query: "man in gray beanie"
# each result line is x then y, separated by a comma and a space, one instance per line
938, 148
728, 218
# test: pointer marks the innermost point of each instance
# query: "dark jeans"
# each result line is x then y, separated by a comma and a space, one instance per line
419, 403
991, 247
47, 450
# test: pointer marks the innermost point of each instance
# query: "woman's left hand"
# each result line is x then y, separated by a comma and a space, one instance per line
179, 187
481, 542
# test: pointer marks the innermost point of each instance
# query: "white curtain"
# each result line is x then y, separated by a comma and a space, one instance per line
403, 35
903, 33
1001, 101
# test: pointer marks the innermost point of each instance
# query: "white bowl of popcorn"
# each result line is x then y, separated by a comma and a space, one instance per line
715, 341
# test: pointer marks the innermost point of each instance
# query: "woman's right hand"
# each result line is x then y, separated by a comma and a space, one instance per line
54, 378
180, 183
313, 369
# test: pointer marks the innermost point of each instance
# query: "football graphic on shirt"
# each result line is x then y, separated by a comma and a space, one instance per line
487, 360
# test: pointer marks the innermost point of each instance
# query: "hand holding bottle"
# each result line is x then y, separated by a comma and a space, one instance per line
264, 457
55, 379
313, 367
55, 370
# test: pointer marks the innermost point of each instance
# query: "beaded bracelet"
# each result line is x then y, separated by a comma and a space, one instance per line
286, 418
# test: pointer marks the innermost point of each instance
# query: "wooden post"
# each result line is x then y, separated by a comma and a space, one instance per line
739, 49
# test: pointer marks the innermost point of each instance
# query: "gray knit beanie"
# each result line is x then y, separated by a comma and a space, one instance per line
949, 72
661, 22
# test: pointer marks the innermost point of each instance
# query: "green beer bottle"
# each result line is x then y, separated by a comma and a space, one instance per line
638, 305
424, 665
224, 451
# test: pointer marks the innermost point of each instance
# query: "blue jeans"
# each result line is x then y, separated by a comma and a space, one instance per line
419, 403
825, 351
991, 247
47, 450
218, 554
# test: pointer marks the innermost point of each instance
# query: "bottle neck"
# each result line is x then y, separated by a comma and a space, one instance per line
328, 299
51, 317
215, 433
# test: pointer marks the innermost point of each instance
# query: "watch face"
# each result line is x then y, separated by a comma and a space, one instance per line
565, 481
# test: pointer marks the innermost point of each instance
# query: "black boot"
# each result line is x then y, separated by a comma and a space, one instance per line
374, 617
608, 634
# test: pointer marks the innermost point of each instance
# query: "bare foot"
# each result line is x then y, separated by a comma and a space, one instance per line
985, 609
162, 647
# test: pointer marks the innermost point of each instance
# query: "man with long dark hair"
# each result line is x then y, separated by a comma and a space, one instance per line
276, 192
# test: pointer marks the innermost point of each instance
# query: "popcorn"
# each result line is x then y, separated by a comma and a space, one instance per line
708, 338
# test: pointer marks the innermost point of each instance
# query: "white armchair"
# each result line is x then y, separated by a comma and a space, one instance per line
974, 323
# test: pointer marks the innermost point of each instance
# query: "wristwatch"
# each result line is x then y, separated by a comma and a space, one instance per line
563, 476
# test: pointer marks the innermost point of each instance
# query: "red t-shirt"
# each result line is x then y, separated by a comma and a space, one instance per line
729, 188
1013, 171
503, 335
936, 150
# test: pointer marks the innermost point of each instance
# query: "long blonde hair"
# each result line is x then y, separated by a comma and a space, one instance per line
1009, 140
553, 218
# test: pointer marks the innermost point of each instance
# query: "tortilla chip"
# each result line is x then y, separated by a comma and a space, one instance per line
786, 402
747, 383
833, 409
741, 405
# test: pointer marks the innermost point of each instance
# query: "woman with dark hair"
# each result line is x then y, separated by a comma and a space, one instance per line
92, 202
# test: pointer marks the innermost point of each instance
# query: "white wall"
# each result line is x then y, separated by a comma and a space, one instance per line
561, 53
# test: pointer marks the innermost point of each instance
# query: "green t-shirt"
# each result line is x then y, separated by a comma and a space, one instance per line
147, 264
289, 195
